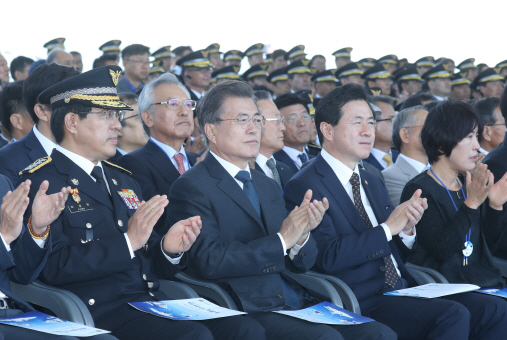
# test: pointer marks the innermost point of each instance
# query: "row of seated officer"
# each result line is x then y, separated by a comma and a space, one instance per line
248, 243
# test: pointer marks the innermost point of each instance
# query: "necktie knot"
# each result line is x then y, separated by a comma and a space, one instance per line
271, 163
276, 175
97, 173
179, 161
303, 157
354, 180
388, 159
243, 176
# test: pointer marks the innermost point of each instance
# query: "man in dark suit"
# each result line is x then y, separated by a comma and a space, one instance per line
21, 258
39, 142
248, 244
271, 141
104, 246
297, 131
382, 155
362, 240
167, 116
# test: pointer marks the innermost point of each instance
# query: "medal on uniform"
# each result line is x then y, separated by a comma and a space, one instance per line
74, 181
129, 198
114, 181
75, 195
468, 248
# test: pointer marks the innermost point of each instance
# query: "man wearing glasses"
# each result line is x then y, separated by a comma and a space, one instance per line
196, 72
167, 114
136, 62
271, 141
248, 244
382, 156
297, 131
103, 243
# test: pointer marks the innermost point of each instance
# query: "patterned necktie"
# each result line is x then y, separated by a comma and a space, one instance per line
272, 166
388, 159
248, 188
179, 160
99, 177
303, 157
391, 273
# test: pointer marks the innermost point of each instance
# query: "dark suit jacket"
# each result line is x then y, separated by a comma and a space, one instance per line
3, 142
283, 157
347, 248
237, 248
25, 260
373, 161
285, 172
90, 253
123, 87
497, 163
18, 155
116, 157
192, 94
153, 170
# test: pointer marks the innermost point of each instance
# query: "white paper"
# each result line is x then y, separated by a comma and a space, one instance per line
326, 313
434, 290
41, 322
185, 309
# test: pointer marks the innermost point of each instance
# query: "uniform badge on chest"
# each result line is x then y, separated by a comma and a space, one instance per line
75, 195
130, 199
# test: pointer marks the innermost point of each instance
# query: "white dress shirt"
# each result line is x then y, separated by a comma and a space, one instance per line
344, 173
233, 171
87, 167
170, 152
262, 161
378, 156
199, 95
416, 164
483, 151
46, 143
293, 154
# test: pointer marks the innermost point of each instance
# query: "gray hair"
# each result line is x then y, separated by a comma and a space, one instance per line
211, 107
406, 118
147, 96
263, 95
53, 55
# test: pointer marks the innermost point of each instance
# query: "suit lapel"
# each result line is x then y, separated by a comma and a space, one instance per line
35, 147
340, 195
406, 168
85, 183
372, 190
113, 187
160, 161
231, 188
373, 161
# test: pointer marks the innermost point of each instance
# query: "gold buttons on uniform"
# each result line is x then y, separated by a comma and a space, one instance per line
88, 225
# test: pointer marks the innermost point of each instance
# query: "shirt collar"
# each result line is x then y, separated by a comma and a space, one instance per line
47, 144
199, 95
293, 153
343, 172
416, 164
169, 150
262, 160
483, 151
133, 89
80, 161
228, 166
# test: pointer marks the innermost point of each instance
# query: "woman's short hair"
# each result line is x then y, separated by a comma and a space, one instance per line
446, 125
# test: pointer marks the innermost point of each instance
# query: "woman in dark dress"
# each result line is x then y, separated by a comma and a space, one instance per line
451, 236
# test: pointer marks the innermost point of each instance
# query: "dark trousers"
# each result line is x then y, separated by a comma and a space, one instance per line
280, 327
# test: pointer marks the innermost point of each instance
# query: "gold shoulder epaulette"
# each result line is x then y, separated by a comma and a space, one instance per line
117, 166
315, 145
36, 165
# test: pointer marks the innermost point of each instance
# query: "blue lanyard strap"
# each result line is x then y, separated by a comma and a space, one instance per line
450, 196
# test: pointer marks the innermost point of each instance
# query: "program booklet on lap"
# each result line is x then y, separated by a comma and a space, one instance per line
41, 322
434, 290
185, 309
326, 313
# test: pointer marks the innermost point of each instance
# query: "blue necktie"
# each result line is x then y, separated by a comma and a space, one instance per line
303, 157
248, 188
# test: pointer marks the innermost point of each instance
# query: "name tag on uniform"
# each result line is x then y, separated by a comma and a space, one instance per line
80, 207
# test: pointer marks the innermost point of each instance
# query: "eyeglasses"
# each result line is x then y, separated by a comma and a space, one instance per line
142, 62
496, 124
295, 119
244, 121
173, 104
411, 127
390, 119
203, 70
279, 120
109, 114
134, 116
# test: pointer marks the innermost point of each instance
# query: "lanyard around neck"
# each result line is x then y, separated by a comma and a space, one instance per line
450, 196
